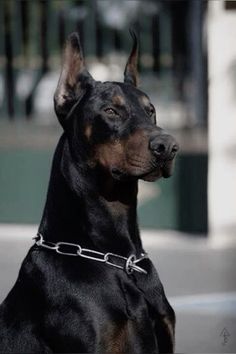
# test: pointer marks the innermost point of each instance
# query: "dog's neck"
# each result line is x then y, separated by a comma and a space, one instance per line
94, 211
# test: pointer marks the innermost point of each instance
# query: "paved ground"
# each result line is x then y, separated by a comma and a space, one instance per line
200, 282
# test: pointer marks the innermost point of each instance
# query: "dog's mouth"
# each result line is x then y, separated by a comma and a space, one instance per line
161, 169
164, 170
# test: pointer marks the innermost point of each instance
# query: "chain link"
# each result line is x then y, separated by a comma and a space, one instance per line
72, 249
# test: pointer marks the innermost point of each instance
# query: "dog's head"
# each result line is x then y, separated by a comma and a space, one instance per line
113, 124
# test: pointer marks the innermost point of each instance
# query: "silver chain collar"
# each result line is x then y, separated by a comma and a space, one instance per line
71, 249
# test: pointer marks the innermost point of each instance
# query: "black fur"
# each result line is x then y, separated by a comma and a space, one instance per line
71, 304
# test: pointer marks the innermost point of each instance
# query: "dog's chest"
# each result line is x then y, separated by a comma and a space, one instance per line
107, 314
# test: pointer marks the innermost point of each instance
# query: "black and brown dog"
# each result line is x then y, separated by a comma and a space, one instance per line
115, 304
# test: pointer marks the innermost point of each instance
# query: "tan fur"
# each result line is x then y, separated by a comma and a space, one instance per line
118, 100
116, 338
110, 154
88, 131
144, 100
170, 328
130, 155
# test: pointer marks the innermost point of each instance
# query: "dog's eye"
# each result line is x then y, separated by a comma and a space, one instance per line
151, 110
152, 113
110, 111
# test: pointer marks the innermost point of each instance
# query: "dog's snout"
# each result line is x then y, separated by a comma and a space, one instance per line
157, 148
163, 146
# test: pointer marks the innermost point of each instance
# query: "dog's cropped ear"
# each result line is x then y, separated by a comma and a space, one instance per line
131, 72
74, 78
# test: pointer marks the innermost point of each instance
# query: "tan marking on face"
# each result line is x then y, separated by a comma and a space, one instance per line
144, 100
88, 131
110, 154
130, 155
137, 145
118, 100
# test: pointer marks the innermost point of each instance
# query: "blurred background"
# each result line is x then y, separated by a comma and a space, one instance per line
187, 66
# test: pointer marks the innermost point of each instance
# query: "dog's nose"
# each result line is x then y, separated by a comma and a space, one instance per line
163, 146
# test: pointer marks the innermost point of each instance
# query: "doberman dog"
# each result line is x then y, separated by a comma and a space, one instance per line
86, 285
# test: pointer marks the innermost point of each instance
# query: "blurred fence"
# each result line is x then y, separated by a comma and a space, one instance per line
32, 35
173, 57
